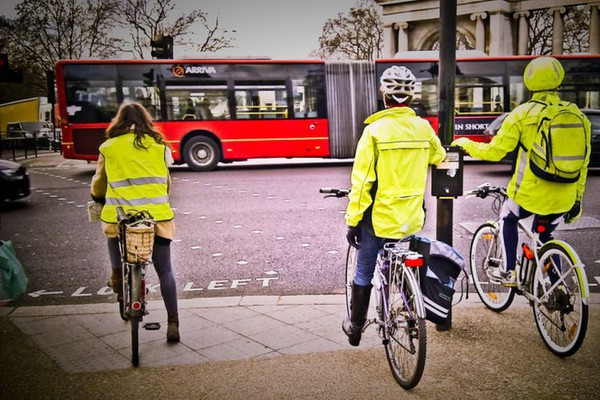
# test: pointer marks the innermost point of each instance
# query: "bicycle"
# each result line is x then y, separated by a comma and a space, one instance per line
550, 275
136, 238
400, 311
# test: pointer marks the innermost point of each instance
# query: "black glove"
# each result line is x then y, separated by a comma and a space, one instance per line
574, 213
353, 236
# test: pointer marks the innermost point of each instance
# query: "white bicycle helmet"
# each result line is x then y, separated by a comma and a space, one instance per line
398, 82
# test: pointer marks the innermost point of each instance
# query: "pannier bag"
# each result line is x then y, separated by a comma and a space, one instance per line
442, 267
13, 281
560, 144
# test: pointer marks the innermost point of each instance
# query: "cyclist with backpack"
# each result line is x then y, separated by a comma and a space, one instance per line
553, 138
389, 177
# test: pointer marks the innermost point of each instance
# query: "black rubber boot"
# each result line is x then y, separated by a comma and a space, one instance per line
353, 325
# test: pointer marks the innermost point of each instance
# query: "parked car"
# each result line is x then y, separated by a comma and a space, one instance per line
29, 130
592, 114
14, 181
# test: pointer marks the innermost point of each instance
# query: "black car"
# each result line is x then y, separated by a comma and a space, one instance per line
591, 114
14, 181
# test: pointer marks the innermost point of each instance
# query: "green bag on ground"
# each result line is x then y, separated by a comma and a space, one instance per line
13, 281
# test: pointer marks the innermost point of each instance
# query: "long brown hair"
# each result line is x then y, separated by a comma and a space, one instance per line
133, 117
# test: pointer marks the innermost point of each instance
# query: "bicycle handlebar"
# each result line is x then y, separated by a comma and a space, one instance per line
485, 189
335, 192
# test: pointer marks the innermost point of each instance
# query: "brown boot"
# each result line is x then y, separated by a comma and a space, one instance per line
173, 328
116, 283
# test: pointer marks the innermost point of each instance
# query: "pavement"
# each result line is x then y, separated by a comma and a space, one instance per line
279, 347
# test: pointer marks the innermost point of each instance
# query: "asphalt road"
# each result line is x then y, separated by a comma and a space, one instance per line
244, 229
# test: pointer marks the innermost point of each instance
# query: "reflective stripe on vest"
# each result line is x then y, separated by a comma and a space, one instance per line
137, 181
137, 202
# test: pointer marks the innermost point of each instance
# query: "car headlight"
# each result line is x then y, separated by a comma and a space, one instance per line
9, 172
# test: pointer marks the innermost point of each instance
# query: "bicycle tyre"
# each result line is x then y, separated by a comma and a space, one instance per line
562, 315
350, 270
405, 333
135, 340
485, 253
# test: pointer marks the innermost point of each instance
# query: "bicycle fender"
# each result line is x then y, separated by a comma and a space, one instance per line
420, 302
579, 268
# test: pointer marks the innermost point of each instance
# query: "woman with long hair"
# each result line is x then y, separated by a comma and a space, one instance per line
133, 172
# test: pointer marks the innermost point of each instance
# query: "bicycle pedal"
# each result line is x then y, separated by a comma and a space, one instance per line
152, 326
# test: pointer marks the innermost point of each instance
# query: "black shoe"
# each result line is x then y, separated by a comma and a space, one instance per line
353, 332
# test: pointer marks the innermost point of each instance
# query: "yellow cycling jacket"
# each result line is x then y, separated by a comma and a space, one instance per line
534, 194
393, 152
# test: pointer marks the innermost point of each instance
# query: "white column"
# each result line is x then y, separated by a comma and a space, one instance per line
479, 30
594, 27
557, 29
501, 41
389, 49
523, 31
402, 28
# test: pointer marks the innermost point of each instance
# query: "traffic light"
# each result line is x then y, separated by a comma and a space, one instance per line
7, 74
162, 46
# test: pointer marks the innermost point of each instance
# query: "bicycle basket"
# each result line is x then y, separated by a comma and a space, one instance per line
139, 240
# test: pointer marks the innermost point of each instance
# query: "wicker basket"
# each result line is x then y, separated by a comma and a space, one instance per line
139, 242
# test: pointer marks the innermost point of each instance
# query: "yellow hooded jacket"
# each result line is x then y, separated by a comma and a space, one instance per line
534, 194
394, 153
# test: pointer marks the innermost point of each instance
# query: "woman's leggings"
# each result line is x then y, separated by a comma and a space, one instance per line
161, 257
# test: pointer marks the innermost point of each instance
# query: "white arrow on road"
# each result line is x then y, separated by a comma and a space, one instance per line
42, 292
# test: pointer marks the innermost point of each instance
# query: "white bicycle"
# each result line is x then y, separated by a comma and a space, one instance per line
550, 275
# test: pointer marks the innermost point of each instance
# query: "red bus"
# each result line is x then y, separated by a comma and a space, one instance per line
213, 111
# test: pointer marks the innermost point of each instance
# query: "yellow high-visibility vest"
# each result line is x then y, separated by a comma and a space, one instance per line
137, 178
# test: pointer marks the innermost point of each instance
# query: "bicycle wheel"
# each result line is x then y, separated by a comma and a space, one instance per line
135, 340
350, 268
405, 334
561, 314
486, 259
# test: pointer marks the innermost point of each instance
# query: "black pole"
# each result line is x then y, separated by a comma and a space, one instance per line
446, 105
447, 71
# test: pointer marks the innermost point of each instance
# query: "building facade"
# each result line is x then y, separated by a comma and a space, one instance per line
491, 27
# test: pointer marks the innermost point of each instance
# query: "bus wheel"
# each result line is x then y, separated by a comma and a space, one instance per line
201, 153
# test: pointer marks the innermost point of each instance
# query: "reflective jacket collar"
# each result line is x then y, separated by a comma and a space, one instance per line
392, 112
546, 96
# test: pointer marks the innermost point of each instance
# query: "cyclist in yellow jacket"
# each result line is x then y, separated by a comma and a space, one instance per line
389, 177
133, 172
527, 193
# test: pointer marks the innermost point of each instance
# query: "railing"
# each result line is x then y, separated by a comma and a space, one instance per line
25, 147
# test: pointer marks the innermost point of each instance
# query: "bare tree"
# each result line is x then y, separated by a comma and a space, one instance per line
147, 18
355, 35
46, 31
576, 31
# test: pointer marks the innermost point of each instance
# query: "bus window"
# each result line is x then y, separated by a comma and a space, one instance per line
197, 102
261, 100
517, 91
91, 101
305, 99
479, 95
146, 96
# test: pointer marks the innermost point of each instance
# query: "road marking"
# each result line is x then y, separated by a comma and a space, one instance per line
43, 292
79, 292
189, 287
597, 278
195, 247
242, 262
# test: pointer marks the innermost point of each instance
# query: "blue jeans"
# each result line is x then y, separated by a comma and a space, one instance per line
511, 214
366, 257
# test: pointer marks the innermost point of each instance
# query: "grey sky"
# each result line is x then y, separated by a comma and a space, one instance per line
279, 29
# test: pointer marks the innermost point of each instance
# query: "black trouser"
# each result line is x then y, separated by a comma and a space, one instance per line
161, 257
